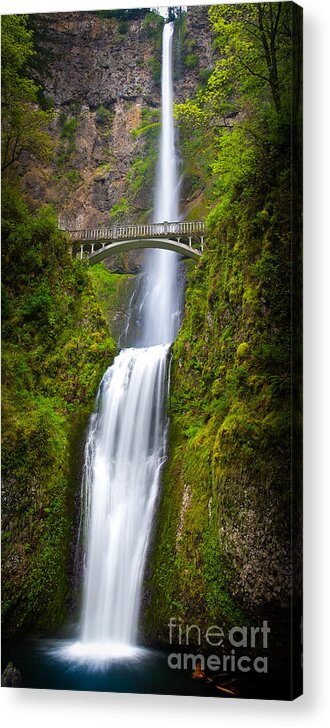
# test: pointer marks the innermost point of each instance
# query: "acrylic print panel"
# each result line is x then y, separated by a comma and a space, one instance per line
151, 350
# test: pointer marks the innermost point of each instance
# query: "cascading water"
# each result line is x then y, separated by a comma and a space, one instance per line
163, 302
124, 454
125, 447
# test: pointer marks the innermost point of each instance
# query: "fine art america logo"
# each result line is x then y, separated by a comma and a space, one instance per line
238, 639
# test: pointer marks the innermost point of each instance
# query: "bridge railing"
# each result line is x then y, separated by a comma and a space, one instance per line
126, 232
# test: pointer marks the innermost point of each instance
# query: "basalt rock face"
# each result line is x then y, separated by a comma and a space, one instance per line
98, 64
103, 81
196, 54
98, 90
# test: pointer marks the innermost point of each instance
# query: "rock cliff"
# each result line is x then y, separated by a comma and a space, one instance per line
101, 75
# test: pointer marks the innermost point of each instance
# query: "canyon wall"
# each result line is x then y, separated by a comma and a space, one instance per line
101, 76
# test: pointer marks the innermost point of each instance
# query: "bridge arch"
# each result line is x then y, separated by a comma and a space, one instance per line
124, 245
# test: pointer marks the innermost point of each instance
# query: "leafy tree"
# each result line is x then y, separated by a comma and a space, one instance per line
24, 125
152, 25
245, 109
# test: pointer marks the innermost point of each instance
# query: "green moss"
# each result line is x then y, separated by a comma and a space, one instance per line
225, 505
119, 210
56, 346
242, 350
103, 170
113, 291
142, 172
186, 580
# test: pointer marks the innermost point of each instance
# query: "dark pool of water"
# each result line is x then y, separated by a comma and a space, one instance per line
45, 664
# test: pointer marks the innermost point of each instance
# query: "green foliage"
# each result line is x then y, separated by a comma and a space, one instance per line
46, 103
55, 349
37, 306
152, 25
142, 171
256, 44
24, 127
242, 350
227, 484
68, 126
138, 173
156, 70
123, 26
119, 211
69, 129
73, 175
235, 160
204, 75
247, 36
191, 60
104, 116
113, 291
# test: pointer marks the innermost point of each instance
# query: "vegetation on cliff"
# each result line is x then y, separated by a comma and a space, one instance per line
222, 545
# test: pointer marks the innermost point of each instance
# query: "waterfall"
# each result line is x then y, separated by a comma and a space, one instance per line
163, 300
126, 442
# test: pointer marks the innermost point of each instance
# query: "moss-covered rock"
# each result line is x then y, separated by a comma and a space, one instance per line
221, 551
56, 346
113, 291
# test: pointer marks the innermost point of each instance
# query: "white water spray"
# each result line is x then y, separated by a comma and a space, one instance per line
125, 448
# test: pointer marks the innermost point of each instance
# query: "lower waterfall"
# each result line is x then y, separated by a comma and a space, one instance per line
125, 450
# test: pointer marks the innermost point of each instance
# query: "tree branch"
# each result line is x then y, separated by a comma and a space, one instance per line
14, 155
5, 155
253, 73
251, 32
270, 60
279, 8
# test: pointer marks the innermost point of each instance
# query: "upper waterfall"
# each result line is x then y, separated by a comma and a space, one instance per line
162, 304
166, 191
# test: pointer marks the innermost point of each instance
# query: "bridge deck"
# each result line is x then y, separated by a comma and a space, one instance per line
185, 238
152, 230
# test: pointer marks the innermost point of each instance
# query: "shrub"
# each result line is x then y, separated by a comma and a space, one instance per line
69, 128
152, 24
156, 69
191, 60
103, 115
119, 210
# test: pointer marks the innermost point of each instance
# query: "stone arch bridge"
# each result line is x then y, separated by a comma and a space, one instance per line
185, 238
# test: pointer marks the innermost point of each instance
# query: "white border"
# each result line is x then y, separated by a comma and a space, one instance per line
53, 709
